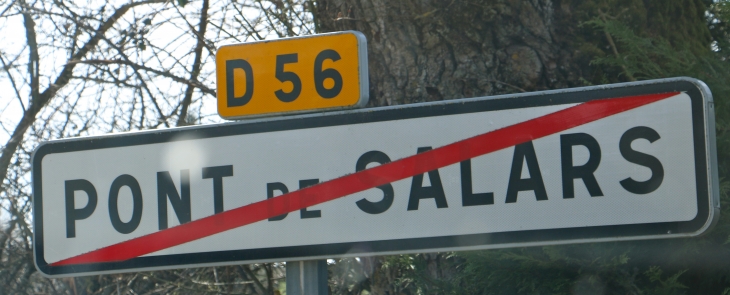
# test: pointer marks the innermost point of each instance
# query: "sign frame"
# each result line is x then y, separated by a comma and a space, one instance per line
706, 177
362, 53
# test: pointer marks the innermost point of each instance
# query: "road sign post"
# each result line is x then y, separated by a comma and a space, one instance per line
306, 277
608, 163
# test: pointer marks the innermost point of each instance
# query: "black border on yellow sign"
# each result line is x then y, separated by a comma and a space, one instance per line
363, 73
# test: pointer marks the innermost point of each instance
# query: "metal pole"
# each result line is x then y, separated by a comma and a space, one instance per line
306, 277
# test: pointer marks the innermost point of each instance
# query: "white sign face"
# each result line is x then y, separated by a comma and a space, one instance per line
632, 161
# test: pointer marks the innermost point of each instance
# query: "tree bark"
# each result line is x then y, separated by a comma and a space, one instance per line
421, 50
428, 50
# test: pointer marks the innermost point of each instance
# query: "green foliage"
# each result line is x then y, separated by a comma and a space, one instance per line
347, 276
576, 269
719, 18
642, 58
679, 22
670, 285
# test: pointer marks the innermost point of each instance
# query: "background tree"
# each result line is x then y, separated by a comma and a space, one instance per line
434, 50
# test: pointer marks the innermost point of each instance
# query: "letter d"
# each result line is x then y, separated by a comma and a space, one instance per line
231, 98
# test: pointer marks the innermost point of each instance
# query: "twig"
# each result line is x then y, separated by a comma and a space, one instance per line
197, 84
603, 16
508, 85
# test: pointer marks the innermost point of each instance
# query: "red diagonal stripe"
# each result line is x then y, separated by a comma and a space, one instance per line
349, 184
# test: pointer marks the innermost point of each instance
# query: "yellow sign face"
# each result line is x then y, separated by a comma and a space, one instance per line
302, 74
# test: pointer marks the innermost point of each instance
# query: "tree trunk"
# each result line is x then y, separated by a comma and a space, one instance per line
424, 50
427, 50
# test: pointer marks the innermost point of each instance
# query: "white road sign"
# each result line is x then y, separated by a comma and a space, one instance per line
608, 163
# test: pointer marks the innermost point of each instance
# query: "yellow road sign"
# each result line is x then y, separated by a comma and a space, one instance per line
303, 74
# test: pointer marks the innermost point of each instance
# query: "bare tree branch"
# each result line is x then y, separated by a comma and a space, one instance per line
166, 74
7, 66
95, 67
37, 103
196, 64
